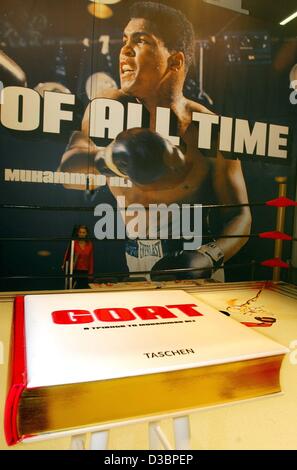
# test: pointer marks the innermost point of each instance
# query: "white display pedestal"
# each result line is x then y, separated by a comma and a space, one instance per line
96, 437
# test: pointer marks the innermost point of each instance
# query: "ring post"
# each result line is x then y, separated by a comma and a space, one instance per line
280, 224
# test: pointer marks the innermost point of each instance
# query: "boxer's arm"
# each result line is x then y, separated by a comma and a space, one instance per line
110, 94
79, 156
230, 188
81, 152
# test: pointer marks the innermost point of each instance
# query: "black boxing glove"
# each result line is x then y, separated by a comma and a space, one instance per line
204, 261
142, 155
139, 154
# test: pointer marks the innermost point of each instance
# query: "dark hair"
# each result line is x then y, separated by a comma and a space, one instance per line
78, 227
171, 25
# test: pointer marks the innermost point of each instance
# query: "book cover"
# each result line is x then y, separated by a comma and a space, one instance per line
81, 359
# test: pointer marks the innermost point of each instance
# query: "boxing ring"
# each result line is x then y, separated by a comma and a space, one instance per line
265, 422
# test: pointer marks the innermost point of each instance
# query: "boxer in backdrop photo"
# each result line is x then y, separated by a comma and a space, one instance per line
157, 51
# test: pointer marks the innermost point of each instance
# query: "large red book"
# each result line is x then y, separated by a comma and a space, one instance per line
82, 359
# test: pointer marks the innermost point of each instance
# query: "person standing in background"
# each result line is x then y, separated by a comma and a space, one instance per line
83, 261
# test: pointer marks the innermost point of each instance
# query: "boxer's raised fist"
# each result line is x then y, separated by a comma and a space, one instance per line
142, 155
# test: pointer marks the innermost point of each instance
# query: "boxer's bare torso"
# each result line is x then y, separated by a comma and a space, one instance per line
186, 187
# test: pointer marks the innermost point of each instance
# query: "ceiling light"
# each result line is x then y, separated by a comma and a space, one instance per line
44, 253
235, 5
97, 83
290, 18
100, 11
107, 2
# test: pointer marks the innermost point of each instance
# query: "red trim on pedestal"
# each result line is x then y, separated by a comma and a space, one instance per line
18, 373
